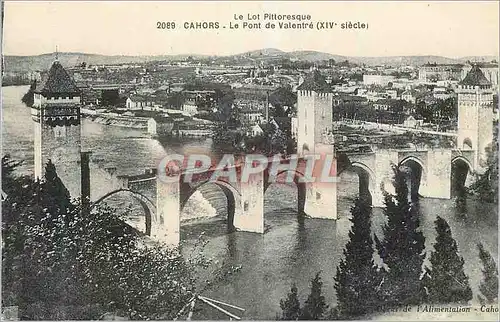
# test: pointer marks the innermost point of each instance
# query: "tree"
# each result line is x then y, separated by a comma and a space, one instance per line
357, 279
446, 281
58, 264
489, 284
402, 247
290, 306
315, 306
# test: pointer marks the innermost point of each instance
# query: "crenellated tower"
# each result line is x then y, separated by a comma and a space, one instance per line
314, 133
475, 115
56, 116
314, 112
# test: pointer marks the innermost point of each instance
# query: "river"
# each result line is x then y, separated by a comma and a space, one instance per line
290, 251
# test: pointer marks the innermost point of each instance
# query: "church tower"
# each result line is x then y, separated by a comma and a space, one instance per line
475, 115
314, 112
56, 116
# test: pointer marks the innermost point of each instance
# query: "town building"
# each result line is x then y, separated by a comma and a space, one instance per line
160, 126
438, 72
382, 80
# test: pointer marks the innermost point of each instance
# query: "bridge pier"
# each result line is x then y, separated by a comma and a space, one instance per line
250, 215
166, 223
321, 200
437, 182
377, 198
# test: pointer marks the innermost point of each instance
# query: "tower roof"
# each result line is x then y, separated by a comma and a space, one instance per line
314, 81
57, 81
475, 77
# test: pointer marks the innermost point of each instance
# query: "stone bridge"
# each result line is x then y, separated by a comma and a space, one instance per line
163, 201
433, 170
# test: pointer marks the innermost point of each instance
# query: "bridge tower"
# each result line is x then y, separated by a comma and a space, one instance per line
475, 115
56, 116
315, 136
314, 112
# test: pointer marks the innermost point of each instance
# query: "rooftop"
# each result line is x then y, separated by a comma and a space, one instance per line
314, 81
475, 77
57, 81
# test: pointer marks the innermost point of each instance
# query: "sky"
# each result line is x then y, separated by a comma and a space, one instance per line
451, 29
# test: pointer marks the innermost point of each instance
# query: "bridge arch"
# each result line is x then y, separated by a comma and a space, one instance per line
461, 167
467, 144
417, 174
147, 205
301, 187
233, 198
464, 160
366, 177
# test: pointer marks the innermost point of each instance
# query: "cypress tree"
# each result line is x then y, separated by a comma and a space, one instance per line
446, 281
357, 279
291, 306
315, 306
489, 284
402, 247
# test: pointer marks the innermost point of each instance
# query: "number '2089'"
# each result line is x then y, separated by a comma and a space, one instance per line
165, 25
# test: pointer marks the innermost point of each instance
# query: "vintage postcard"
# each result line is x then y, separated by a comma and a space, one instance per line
258, 160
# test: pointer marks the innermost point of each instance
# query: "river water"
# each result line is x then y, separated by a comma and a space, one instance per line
290, 251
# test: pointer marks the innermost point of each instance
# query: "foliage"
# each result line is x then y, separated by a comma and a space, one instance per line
315, 306
59, 263
485, 185
281, 98
291, 306
446, 281
489, 284
29, 97
402, 247
357, 279
272, 141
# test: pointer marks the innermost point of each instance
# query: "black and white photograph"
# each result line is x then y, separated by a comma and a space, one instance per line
250, 160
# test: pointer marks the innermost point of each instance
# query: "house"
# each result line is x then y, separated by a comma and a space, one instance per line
413, 122
443, 93
189, 107
248, 117
160, 126
392, 93
342, 98
409, 96
255, 130
138, 102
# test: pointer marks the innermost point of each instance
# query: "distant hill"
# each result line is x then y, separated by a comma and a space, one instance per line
43, 62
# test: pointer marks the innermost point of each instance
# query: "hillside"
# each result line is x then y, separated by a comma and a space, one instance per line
42, 62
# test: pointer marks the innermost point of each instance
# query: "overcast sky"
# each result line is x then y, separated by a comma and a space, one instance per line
452, 29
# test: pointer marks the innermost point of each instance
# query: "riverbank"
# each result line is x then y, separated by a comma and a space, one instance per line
141, 123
